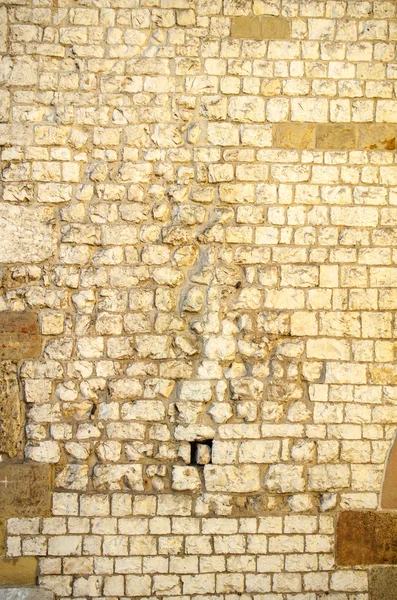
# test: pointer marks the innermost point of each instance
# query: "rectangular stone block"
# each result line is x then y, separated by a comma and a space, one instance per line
275, 28
336, 136
2, 536
27, 233
297, 136
375, 136
11, 414
246, 27
366, 538
18, 571
25, 490
19, 335
383, 583
26, 594
3, 29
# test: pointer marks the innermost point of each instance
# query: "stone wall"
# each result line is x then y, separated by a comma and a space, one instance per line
199, 290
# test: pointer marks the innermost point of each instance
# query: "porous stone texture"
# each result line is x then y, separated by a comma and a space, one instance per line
26, 234
366, 538
11, 415
199, 208
19, 336
383, 583
25, 490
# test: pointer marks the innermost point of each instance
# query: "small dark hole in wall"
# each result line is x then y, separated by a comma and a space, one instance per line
201, 453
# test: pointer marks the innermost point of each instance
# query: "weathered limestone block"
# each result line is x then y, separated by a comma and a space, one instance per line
25, 490
4, 103
116, 477
336, 136
3, 29
229, 478
27, 234
300, 136
285, 478
185, 478
11, 416
374, 136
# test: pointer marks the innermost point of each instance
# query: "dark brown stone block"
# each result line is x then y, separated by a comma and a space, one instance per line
366, 538
11, 419
25, 490
19, 335
18, 571
383, 583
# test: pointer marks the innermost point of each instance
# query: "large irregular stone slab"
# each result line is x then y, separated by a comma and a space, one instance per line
27, 234
25, 490
11, 419
366, 538
19, 335
383, 583
26, 594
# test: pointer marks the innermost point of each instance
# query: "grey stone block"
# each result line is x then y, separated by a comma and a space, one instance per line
25, 594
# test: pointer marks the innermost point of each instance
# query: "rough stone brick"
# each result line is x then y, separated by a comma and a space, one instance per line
27, 234
18, 571
366, 538
19, 335
336, 136
11, 419
3, 29
25, 490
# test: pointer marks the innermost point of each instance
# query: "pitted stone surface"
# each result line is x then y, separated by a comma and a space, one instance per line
199, 203
11, 411
27, 234
25, 490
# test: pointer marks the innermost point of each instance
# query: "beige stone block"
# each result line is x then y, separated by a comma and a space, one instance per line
275, 28
375, 136
246, 27
336, 136
300, 136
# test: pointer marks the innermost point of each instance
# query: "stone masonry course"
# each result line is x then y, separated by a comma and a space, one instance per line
198, 297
